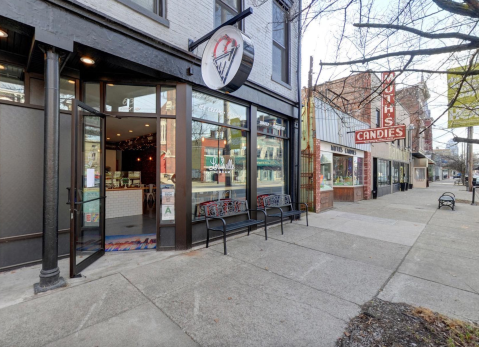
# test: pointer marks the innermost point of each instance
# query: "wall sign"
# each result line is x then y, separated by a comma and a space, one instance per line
227, 59
380, 134
388, 100
220, 167
339, 149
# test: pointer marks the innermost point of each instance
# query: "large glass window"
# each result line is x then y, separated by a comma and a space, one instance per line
326, 178
130, 99
271, 161
12, 87
280, 44
384, 172
145, 6
343, 169
67, 93
167, 166
91, 95
168, 101
396, 177
358, 171
225, 10
210, 108
218, 164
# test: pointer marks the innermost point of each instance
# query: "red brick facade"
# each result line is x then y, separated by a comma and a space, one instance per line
317, 174
368, 180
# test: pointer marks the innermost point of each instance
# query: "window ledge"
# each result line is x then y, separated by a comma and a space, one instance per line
145, 12
284, 84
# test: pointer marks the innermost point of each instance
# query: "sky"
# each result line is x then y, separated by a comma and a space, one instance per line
320, 42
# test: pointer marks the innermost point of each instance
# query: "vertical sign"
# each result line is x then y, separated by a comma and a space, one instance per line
388, 102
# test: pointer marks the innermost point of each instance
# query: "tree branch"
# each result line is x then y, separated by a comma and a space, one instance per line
419, 32
461, 73
470, 8
430, 51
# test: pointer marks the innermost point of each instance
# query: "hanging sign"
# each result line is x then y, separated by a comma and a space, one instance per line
388, 100
380, 134
227, 59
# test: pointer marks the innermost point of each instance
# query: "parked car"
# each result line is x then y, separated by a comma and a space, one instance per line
458, 175
475, 180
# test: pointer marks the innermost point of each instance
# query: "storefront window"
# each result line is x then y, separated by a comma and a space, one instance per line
92, 95
420, 173
326, 178
168, 101
358, 171
343, 170
395, 172
67, 93
12, 87
218, 164
210, 108
271, 160
384, 172
271, 125
131, 99
167, 170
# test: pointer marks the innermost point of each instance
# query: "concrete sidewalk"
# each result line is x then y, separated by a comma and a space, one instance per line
300, 288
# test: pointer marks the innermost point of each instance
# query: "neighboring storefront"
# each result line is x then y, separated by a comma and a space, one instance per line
341, 173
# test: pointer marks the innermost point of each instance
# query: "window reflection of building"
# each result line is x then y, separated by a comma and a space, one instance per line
271, 156
12, 87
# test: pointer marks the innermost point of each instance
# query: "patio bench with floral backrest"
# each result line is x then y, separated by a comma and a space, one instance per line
283, 203
226, 208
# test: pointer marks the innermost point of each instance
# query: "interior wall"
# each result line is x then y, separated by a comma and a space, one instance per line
145, 165
110, 159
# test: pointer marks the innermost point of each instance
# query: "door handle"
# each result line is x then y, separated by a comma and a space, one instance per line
68, 199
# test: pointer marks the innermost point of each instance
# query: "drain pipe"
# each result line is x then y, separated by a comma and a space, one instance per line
298, 152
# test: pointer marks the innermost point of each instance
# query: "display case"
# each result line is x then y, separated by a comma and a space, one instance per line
343, 171
326, 178
123, 179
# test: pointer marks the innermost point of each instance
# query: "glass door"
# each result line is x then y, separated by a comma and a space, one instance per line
87, 196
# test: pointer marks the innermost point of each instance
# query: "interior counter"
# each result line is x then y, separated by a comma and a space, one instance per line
122, 202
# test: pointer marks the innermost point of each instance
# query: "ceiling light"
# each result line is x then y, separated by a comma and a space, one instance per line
88, 61
2, 67
107, 138
118, 134
3, 33
110, 84
71, 81
138, 159
147, 125
130, 131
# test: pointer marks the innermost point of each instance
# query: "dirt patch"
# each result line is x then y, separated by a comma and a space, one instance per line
383, 323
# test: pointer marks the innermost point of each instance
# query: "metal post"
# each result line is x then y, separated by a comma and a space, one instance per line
470, 161
473, 195
50, 273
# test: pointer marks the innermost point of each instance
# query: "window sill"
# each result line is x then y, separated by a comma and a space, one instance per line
284, 84
145, 12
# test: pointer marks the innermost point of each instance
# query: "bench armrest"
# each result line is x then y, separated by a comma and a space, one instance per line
222, 220
260, 210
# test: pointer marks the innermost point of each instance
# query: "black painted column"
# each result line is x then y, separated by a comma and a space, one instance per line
50, 273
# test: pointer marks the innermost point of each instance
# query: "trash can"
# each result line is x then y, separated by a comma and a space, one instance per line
375, 194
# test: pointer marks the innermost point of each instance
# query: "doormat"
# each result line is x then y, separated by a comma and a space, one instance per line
116, 243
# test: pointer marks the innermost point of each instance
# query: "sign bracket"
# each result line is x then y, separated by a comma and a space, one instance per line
193, 44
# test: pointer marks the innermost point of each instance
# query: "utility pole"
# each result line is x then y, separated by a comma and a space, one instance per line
310, 94
469, 158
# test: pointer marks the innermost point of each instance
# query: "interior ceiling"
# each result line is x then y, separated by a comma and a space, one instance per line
123, 126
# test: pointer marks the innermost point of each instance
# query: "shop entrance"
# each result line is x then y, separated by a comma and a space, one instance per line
113, 199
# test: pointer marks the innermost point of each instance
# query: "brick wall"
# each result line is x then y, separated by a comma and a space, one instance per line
193, 19
368, 179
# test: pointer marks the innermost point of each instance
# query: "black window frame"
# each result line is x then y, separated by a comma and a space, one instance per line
159, 15
224, 5
287, 48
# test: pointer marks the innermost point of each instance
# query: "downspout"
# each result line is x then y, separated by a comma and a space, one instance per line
298, 168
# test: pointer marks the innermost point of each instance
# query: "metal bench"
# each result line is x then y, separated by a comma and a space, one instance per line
228, 208
281, 202
447, 199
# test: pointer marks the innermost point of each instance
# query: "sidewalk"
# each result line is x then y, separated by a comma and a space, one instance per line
300, 288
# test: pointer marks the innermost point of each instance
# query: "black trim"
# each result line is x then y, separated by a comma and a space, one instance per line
160, 18
284, 84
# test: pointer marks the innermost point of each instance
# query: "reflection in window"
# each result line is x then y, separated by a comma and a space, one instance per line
168, 101
326, 178
218, 164
271, 124
384, 172
92, 95
420, 173
131, 99
271, 161
396, 172
67, 93
225, 10
12, 87
210, 108
358, 171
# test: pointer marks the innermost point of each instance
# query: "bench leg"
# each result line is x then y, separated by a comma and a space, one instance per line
207, 237
224, 241
307, 223
249, 229
265, 230
282, 226
291, 219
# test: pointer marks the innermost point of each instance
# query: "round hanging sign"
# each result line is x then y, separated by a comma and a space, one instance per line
227, 59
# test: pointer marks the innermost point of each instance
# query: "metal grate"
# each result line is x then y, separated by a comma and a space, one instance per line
307, 174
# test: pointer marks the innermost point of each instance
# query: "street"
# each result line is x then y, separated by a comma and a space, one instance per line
296, 289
